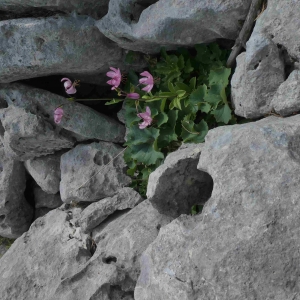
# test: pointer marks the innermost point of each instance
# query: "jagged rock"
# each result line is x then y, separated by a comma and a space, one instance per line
97, 212
258, 75
38, 261
113, 270
15, 213
42, 199
80, 121
92, 172
245, 243
46, 172
175, 186
27, 135
54, 45
287, 98
94, 8
149, 24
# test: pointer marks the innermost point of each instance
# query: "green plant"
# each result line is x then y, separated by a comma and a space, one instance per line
6, 242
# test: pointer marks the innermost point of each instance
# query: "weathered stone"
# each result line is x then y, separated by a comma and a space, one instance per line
15, 213
97, 212
80, 121
35, 47
46, 172
41, 211
149, 24
258, 74
42, 199
245, 244
92, 172
287, 98
28, 135
175, 186
94, 8
38, 261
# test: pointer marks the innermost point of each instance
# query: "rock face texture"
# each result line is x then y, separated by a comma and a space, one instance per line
15, 213
33, 47
42, 199
80, 122
52, 251
88, 172
94, 8
149, 24
245, 243
175, 186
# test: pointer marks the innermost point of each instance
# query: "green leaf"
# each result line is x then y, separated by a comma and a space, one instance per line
172, 75
114, 101
204, 107
130, 113
133, 78
203, 55
194, 133
193, 83
188, 67
198, 95
219, 77
222, 114
167, 132
180, 62
213, 95
171, 87
153, 99
180, 93
167, 94
175, 103
161, 118
130, 57
146, 154
183, 86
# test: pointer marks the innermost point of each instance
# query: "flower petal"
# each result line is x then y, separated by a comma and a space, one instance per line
71, 90
146, 73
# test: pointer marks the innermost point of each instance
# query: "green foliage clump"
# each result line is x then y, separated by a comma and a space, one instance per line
189, 98
6, 242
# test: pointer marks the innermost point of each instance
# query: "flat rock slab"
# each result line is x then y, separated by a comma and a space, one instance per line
150, 24
26, 134
92, 172
80, 122
94, 8
15, 213
97, 212
245, 244
175, 186
35, 47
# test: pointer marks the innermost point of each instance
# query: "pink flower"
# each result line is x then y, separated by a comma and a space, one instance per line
69, 86
148, 80
58, 114
146, 116
116, 76
133, 96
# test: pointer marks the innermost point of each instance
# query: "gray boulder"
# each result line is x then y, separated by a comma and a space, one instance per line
245, 243
257, 77
97, 212
38, 261
15, 213
41, 211
27, 134
147, 25
94, 8
54, 45
92, 172
46, 171
79, 121
42, 199
175, 186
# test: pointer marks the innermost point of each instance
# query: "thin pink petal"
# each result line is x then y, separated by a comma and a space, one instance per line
146, 73
111, 74
148, 110
114, 69
66, 79
143, 125
71, 90
148, 88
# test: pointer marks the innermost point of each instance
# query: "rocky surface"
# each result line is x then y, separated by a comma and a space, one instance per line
42, 199
245, 243
80, 122
149, 24
88, 172
175, 186
15, 213
97, 212
46, 171
94, 8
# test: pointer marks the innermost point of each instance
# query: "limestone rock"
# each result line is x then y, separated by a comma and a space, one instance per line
91, 172
35, 47
80, 122
42, 199
257, 77
15, 213
175, 186
46, 171
245, 243
41, 211
27, 135
149, 24
38, 261
287, 98
94, 8
97, 212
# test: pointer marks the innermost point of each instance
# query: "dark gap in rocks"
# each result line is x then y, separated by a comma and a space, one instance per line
117, 293
28, 193
289, 61
256, 66
2, 130
138, 7
32, 12
2, 217
109, 259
